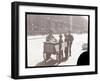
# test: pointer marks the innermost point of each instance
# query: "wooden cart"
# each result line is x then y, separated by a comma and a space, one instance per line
53, 48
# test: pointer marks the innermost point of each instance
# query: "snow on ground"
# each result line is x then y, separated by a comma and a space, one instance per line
35, 49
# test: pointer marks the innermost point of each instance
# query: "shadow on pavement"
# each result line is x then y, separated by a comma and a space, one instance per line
50, 62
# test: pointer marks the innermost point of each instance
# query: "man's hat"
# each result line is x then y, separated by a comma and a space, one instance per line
50, 31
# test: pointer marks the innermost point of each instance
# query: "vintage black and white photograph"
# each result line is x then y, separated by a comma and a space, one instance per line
57, 39
51, 40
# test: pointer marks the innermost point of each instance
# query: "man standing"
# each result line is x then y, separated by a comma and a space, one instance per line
69, 39
51, 39
66, 46
60, 48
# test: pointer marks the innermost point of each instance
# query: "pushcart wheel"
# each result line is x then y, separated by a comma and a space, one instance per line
58, 58
44, 56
